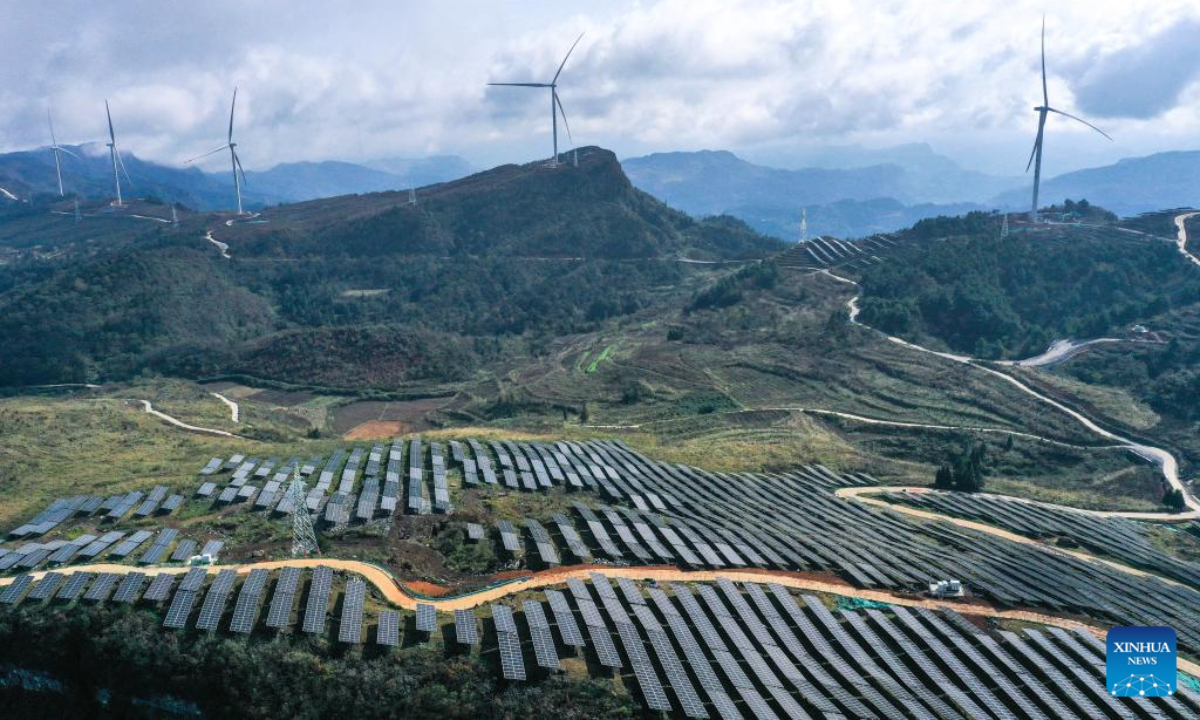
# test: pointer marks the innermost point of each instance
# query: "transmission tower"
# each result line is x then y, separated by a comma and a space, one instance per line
304, 538
803, 224
1004, 227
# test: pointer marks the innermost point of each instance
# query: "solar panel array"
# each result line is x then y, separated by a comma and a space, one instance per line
248, 601
130, 588
46, 586
215, 601
160, 588
280, 613
350, 623
102, 587
465, 632
16, 590
512, 665
388, 632
426, 618
539, 631
318, 600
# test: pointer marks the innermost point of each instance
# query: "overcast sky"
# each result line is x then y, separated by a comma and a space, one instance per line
767, 79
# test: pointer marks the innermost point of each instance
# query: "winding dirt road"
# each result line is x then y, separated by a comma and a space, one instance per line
395, 593
234, 410
1181, 238
1165, 460
181, 424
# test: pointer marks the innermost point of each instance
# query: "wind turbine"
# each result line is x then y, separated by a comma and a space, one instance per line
234, 161
1035, 157
115, 156
555, 104
57, 149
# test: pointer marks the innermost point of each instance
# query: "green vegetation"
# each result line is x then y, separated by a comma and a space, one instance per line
124, 652
1010, 297
965, 471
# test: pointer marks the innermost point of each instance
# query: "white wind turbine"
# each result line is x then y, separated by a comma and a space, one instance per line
234, 161
555, 104
1035, 157
115, 156
57, 150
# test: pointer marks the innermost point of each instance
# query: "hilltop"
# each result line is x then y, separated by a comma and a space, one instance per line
354, 291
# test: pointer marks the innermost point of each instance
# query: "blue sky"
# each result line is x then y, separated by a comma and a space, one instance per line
765, 78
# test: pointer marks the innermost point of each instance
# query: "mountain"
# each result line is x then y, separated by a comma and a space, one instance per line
1128, 187
31, 172
882, 197
424, 171
298, 181
363, 291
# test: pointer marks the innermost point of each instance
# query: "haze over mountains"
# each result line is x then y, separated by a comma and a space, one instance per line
913, 183
90, 175
847, 191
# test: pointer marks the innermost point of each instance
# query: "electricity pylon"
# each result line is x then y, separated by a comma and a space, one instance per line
304, 537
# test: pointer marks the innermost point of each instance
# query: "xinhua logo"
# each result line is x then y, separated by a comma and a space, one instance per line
1141, 661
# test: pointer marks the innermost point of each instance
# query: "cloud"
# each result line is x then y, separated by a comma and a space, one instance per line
1143, 80
383, 79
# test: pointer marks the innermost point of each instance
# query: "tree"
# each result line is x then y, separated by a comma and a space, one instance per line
944, 480
1173, 499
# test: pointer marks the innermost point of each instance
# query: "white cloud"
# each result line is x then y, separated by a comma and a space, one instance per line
322, 80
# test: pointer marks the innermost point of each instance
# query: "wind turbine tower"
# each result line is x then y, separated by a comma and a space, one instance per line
1035, 157
57, 150
556, 107
118, 165
239, 175
803, 224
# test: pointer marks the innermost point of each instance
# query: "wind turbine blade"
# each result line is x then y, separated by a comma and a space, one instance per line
1045, 93
564, 116
232, 105
210, 152
1037, 144
521, 84
61, 149
564, 62
112, 136
1085, 122
121, 162
238, 161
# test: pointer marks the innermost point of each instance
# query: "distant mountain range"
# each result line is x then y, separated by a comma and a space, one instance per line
916, 183
26, 173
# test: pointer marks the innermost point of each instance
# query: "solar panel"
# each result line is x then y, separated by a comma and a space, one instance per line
280, 614
130, 587
181, 608
160, 588
568, 629
102, 588
643, 669
539, 631
184, 550
464, 627
318, 600
13, 593
74, 586
127, 546
247, 602
502, 616
213, 548
426, 618
216, 599
350, 624
193, 579
512, 666
474, 531
389, 628
44, 588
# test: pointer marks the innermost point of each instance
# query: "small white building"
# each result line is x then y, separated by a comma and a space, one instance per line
201, 560
946, 589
